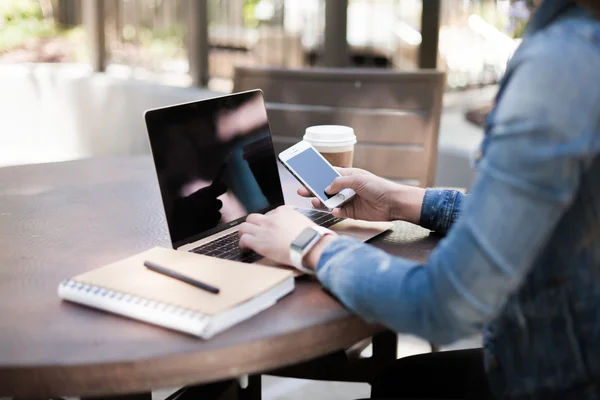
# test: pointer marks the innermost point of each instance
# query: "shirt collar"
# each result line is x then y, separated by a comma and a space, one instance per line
547, 13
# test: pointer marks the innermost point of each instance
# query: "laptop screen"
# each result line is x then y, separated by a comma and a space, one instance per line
215, 163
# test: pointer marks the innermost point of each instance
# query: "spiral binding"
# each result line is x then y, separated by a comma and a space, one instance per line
128, 298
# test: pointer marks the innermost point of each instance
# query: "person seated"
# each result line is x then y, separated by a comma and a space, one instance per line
520, 261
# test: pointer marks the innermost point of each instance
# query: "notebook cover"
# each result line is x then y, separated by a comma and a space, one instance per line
237, 282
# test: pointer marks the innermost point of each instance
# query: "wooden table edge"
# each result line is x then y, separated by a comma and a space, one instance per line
145, 375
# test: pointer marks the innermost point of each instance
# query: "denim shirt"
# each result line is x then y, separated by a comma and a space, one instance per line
520, 259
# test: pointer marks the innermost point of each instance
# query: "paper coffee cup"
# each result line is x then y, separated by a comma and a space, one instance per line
334, 142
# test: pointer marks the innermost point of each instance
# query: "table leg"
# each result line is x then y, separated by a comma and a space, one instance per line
254, 389
133, 396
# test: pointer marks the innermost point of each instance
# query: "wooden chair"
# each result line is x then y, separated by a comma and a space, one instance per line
395, 114
396, 118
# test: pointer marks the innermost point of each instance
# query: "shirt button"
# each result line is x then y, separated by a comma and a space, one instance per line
475, 157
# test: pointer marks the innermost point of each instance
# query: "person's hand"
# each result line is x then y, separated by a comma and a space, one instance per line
271, 235
377, 199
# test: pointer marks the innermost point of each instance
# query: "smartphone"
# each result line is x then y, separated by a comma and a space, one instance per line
313, 171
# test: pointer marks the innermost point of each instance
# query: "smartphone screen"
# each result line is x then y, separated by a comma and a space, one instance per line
314, 171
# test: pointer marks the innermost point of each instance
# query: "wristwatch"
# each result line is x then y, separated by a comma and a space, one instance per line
305, 241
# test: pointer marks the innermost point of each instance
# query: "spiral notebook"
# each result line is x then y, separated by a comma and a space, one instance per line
129, 289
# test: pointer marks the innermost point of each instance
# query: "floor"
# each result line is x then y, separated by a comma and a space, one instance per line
455, 132
275, 388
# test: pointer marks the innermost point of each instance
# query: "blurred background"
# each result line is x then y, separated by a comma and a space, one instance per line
77, 75
150, 39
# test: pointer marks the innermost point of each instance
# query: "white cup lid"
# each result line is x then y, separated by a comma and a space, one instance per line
330, 135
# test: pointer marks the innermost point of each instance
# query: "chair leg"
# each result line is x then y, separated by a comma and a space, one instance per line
385, 348
254, 389
385, 352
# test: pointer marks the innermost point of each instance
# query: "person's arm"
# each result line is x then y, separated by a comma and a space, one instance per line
436, 210
529, 176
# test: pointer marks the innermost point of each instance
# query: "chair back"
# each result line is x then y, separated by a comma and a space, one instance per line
395, 114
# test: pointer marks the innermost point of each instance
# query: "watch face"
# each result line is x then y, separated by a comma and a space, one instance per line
307, 236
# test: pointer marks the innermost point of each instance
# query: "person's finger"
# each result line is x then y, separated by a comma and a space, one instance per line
351, 171
304, 192
343, 182
248, 228
255, 219
316, 203
270, 213
278, 210
248, 241
344, 171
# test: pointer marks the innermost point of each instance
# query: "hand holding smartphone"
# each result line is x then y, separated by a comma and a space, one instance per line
313, 171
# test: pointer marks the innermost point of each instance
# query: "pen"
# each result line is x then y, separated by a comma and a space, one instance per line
180, 277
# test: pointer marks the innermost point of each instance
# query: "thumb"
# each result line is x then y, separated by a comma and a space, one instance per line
343, 182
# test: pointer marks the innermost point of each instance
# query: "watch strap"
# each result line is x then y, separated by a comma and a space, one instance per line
297, 257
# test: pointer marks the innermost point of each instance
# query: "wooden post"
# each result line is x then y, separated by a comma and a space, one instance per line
336, 22
68, 13
198, 46
94, 22
430, 32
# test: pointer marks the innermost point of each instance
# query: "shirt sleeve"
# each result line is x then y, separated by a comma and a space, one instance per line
528, 178
440, 209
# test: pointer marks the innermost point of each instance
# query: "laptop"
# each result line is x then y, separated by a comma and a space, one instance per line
215, 163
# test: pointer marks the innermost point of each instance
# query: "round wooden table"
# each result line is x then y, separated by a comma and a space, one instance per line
58, 220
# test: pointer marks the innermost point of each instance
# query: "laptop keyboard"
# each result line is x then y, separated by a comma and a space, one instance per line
321, 218
228, 246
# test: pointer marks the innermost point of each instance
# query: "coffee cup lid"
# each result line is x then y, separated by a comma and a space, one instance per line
330, 135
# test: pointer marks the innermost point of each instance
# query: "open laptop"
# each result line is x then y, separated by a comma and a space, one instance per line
215, 164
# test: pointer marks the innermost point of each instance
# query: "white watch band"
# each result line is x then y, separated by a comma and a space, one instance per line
297, 257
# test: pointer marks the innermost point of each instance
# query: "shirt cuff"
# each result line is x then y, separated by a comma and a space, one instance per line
440, 209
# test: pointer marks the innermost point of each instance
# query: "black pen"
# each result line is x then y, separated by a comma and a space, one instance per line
180, 277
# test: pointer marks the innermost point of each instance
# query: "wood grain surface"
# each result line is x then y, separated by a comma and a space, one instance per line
58, 220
